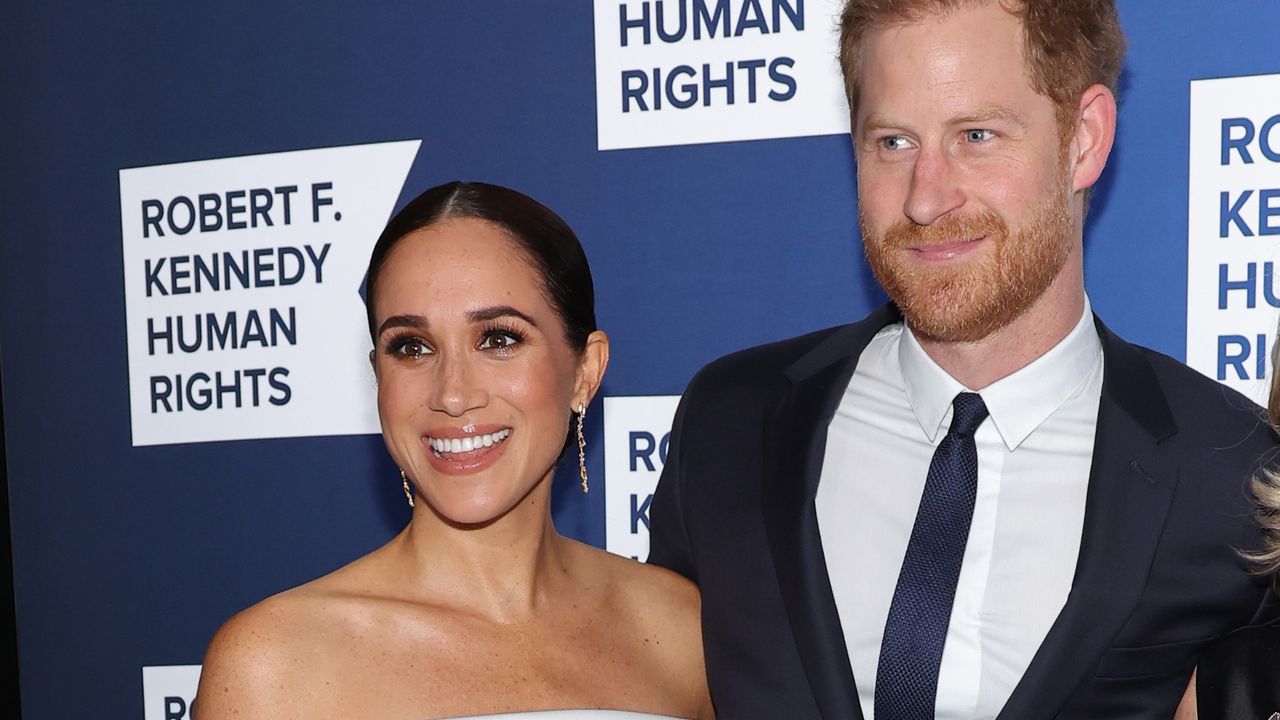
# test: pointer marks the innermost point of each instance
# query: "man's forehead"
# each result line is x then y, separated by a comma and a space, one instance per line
960, 54
915, 12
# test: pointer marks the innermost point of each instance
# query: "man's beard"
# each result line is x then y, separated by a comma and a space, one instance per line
968, 299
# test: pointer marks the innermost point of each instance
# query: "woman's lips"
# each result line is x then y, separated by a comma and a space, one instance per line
455, 451
942, 252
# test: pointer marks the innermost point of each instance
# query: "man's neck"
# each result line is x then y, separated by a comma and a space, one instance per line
1011, 348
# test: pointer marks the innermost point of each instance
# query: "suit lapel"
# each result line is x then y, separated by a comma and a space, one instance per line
794, 443
1131, 486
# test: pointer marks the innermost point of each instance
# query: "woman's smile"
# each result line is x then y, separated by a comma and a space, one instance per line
462, 451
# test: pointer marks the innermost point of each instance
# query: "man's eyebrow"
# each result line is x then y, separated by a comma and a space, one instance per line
984, 114
989, 113
496, 311
876, 121
412, 321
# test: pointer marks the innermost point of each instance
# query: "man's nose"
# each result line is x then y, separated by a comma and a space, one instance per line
935, 190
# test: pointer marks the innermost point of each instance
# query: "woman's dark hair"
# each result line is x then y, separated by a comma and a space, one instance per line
546, 240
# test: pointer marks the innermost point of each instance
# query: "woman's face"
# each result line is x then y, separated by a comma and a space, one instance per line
475, 379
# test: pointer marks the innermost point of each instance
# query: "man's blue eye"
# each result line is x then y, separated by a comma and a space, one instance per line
894, 142
977, 136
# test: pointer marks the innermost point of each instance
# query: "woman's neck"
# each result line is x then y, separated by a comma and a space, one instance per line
505, 569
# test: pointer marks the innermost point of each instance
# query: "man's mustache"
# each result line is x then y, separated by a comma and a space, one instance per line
949, 229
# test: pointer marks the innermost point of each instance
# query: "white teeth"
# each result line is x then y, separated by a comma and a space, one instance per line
467, 444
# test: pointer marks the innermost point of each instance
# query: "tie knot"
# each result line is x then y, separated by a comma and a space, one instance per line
968, 412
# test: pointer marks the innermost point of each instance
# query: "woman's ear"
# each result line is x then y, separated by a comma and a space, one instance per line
591, 366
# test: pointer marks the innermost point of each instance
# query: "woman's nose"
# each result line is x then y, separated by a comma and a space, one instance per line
456, 390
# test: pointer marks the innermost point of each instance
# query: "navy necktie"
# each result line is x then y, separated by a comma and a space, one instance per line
916, 629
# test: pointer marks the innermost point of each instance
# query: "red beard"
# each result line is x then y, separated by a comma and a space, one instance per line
968, 299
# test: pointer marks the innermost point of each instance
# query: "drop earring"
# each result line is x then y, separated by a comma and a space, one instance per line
408, 494
582, 448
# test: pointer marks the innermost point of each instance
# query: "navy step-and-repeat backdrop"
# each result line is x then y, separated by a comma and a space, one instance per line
190, 195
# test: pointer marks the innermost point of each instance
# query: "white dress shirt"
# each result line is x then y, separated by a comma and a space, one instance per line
1034, 455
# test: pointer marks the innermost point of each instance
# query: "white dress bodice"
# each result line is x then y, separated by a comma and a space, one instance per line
571, 715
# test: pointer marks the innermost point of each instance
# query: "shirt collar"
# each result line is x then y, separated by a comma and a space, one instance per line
1018, 403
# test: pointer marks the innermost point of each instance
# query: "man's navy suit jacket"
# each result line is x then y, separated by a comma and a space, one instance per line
1158, 575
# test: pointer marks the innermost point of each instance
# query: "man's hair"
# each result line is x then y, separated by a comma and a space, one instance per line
1070, 44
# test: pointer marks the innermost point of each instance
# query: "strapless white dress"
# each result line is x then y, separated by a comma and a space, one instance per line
571, 715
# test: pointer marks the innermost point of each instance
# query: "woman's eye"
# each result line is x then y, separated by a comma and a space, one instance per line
978, 136
412, 347
499, 341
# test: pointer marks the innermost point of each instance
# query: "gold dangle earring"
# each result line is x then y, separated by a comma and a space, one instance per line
408, 494
582, 447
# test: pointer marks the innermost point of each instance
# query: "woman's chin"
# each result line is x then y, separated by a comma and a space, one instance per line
472, 510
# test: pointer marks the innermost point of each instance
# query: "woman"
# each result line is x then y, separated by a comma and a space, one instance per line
486, 354
1239, 675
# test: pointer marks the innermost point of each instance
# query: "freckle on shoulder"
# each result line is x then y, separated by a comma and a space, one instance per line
659, 589
258, 637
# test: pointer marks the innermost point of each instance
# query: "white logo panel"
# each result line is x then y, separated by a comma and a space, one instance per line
637, 431
169, 691
678, 72
242, 279
1233, 230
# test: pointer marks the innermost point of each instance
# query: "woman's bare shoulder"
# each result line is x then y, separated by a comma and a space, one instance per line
653, 587
665, 606
255, 655
664, 611
265, 659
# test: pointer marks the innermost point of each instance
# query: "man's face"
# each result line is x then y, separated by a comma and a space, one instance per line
964, 198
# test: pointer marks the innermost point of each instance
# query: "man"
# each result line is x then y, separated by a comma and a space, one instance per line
977, 502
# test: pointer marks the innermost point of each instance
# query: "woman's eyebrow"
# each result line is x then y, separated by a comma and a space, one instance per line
496, 311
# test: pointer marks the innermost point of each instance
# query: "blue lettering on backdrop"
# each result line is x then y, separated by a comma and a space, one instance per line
175, 708
690, 91
179, 215
1237, 135
640, 512
199, 391
225, 270
725, 83
1235, 351
639, 453
1249, 285
1240, 143
644, 453
648, 90
1231, 212
217, 271
682, 86
1268, 211
211, 331
707, 19
788, 81
317, 201
703, 20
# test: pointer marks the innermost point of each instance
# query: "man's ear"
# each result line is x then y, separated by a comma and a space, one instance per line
1092, 137
591, 367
